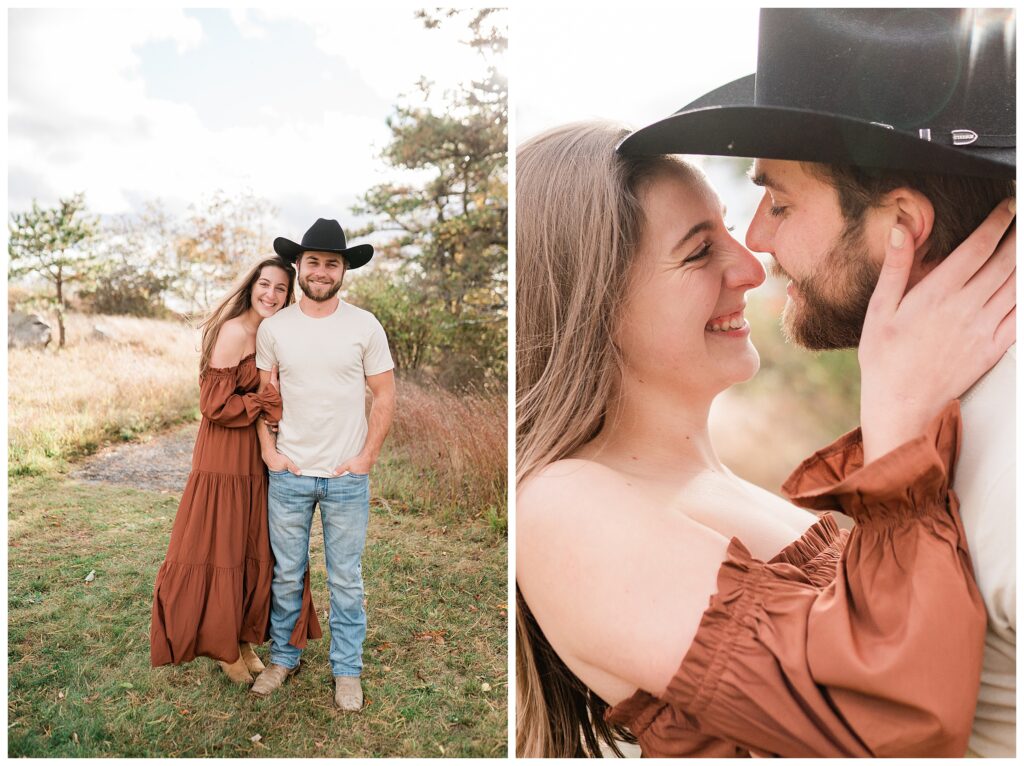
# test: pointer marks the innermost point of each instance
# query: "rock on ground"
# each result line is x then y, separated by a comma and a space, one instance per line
26, 331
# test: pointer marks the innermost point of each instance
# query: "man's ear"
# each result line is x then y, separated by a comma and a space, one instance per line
915, 211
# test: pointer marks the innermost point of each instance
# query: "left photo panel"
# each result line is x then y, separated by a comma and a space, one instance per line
257, 383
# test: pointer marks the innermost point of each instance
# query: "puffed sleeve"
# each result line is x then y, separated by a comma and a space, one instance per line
221, 404
885, 660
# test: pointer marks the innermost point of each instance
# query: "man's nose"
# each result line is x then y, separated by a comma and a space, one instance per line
761, 230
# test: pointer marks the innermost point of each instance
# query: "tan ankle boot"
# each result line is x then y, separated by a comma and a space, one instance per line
236, 671
252, 661
348, 693
272, 678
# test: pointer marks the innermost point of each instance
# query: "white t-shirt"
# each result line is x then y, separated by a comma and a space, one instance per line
985, 482
323, 364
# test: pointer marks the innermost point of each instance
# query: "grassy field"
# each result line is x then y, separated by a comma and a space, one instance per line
79, 681
64, 404
79, 677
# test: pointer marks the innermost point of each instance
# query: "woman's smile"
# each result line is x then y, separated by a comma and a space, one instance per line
732, 325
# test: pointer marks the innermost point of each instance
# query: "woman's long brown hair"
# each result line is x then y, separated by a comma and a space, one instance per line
578, 221
236, 302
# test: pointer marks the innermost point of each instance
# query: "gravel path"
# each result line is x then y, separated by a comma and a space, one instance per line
161, 463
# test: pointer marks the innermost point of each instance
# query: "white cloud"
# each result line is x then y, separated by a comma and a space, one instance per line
388, 47
81, 117
244, 19
634, 66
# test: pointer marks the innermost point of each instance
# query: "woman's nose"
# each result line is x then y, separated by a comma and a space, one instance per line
744, 271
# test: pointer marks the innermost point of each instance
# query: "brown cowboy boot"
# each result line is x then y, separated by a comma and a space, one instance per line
252, 661
236, 671
272, 678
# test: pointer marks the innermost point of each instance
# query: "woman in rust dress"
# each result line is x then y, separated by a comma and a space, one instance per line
660, 597
212, 593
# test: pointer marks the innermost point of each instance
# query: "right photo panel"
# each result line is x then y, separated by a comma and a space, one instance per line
765, 304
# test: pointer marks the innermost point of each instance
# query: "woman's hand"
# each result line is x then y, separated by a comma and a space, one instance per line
921, 349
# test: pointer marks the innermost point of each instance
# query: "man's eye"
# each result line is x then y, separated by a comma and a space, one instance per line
777, 210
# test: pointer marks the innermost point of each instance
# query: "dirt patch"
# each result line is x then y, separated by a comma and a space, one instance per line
161, 463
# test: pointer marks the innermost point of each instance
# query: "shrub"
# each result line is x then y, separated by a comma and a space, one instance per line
122, 289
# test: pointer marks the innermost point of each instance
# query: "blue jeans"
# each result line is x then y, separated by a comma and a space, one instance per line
344, 511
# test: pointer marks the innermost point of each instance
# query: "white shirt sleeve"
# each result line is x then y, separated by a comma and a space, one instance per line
377, 355
266, 348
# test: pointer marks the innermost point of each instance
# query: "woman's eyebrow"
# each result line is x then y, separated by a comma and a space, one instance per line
695, 229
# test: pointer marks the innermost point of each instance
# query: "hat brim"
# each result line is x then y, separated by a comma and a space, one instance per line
727, 122
355, 256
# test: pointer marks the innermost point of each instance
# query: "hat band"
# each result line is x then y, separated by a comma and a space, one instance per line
963, 138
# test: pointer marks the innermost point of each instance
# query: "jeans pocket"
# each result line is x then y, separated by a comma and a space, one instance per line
278, 473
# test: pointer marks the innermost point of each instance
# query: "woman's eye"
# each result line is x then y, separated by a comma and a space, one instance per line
705, 250
776, 210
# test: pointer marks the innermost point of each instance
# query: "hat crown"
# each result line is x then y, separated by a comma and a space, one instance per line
326, 234
911, 69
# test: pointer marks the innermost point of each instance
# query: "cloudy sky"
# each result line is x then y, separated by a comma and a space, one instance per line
633, 64
175, 104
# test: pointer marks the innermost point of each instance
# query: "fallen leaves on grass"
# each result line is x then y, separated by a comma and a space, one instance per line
435, 636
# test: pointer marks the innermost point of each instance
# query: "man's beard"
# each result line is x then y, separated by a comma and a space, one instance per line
319, 297
829, 312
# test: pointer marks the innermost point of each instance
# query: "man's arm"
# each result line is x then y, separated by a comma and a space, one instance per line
382, 412
268, 441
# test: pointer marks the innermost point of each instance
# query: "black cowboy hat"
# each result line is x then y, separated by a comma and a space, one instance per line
928, 90
324, 236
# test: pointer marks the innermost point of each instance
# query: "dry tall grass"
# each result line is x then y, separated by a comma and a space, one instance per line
446, 452
62, 404
458, 444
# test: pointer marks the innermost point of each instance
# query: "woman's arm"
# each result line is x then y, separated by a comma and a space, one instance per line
219, 401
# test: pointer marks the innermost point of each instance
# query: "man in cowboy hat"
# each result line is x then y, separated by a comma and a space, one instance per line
327, 353
862, 120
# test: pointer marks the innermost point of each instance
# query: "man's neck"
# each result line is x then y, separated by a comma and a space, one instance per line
318, 309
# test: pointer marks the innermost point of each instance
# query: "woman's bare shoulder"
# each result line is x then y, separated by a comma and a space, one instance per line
231, 344
617, 585
567, 484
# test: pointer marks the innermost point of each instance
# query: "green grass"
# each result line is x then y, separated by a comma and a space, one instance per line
78, 664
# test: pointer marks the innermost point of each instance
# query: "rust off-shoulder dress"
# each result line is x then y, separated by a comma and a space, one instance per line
213, 589
845, 644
